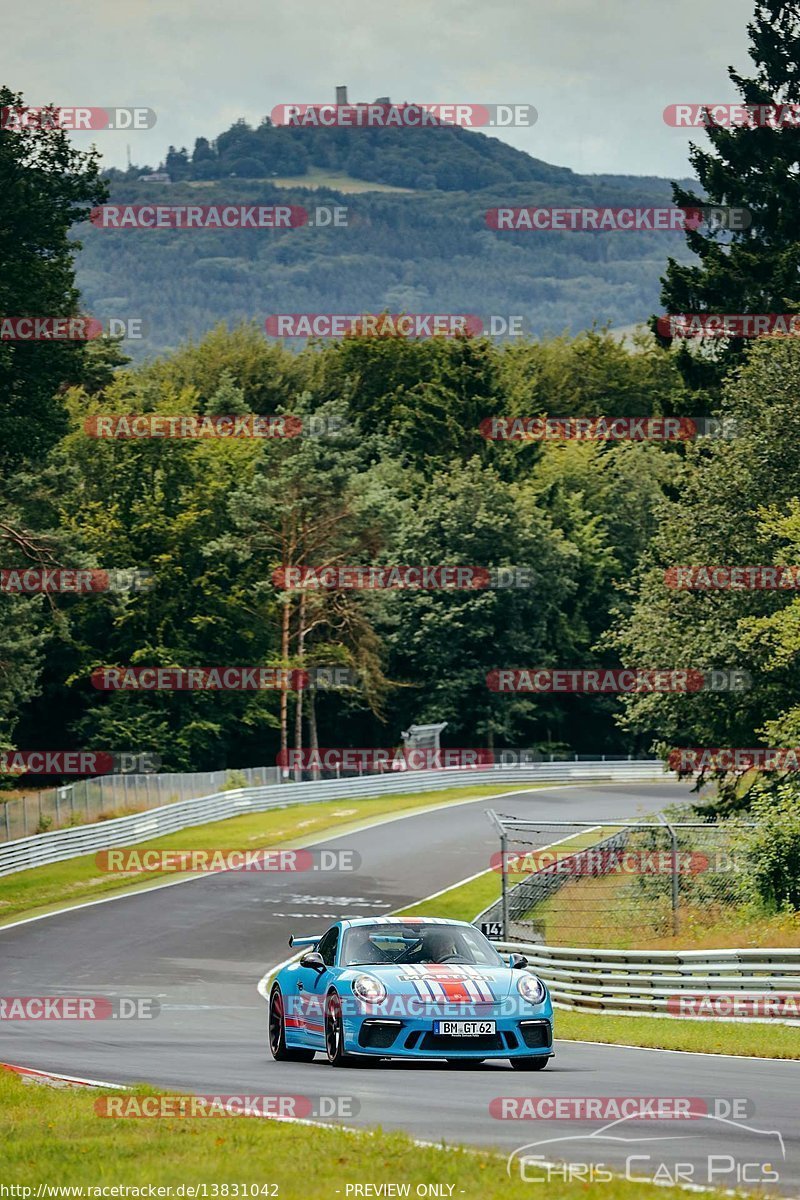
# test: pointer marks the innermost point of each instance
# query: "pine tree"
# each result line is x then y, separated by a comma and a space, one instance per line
755, 167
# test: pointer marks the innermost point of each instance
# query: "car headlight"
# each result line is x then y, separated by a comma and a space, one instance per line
531, 989
368, 988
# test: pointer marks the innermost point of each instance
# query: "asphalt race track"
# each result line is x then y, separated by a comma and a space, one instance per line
200, 948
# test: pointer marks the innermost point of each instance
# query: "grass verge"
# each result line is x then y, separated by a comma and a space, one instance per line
751, 1040
59, 885
59, 1140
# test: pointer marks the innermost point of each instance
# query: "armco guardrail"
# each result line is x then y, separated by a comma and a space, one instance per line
653, 981
61, 844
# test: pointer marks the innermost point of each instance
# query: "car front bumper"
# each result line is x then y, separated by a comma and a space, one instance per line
515, 1037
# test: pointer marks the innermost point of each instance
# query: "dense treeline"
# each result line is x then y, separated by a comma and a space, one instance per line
444, 158
395, 472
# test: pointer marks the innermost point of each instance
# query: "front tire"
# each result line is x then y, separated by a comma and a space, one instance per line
529, 1064
334, 1034
277, 1033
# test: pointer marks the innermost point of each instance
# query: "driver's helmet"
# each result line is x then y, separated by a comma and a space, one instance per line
437, 945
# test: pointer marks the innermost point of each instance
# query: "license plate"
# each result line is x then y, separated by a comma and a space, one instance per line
464, 1028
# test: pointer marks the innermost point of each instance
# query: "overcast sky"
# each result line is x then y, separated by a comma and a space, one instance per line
599, 72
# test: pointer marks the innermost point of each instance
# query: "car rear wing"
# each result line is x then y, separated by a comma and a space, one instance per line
304, 941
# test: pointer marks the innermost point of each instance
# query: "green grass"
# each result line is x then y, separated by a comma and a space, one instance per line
460, 903
756, 1040
53, 1136
41, 889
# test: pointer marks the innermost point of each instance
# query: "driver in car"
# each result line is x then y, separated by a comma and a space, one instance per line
437, 946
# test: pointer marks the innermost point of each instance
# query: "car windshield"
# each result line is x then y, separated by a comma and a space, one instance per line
417, 943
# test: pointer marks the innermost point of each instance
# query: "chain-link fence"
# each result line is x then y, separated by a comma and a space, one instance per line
614, 883
109, 796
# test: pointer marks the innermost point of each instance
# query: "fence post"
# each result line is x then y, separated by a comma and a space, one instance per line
675, 887
504, 884
8, 827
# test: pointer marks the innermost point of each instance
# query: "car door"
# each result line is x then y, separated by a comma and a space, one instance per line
311, 988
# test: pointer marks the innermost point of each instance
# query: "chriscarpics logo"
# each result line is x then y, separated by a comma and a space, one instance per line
745, 1157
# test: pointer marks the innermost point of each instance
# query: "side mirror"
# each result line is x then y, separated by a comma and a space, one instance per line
517, 962
314, 961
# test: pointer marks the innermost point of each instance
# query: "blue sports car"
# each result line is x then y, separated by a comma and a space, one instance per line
408, 987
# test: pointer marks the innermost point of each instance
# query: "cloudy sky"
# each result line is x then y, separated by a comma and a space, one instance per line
599, 72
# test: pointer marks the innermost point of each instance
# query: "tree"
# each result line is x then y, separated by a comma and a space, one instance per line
177, 163
47, 188
733, 503
203, 151
309, 504
756, 270
445, 643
